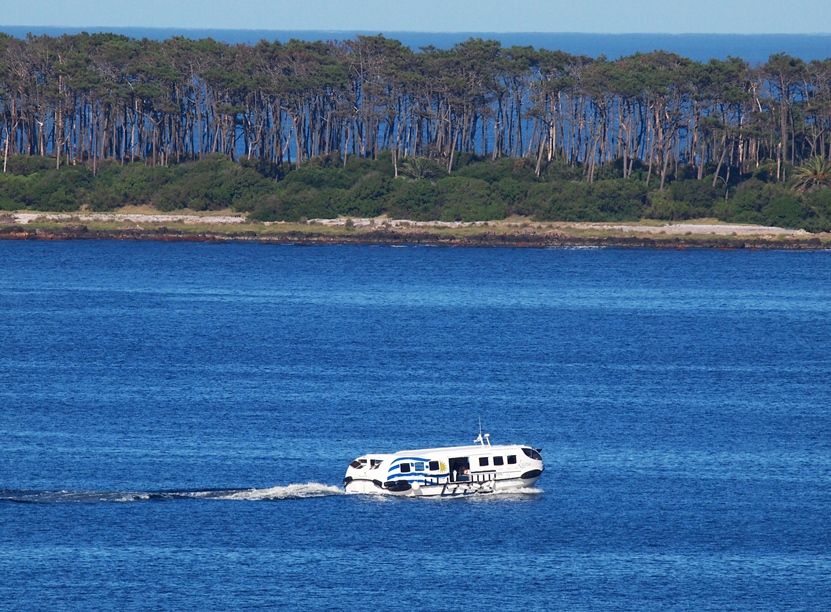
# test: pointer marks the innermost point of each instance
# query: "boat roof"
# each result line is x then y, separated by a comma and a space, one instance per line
469, 449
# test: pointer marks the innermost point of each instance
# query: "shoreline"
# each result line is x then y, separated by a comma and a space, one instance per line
196, 227
412, 239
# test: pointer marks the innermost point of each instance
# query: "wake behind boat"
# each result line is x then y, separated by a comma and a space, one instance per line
448, 471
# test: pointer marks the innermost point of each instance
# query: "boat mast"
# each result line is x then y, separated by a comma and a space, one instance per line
483, 439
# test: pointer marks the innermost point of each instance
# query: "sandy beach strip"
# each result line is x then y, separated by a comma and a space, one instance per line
225, 226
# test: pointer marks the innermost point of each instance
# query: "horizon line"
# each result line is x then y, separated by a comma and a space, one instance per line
393, 31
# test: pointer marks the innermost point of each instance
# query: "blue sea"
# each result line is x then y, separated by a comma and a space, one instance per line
176, 419
754, 48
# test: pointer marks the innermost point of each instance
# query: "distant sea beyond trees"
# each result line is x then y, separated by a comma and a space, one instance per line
753, 48
457, 129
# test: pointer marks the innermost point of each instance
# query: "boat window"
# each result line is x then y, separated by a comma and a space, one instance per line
532, 453
498, 460
405, 467
434, 465
511, 459
374, 463
483, 461
419, 466
358, 464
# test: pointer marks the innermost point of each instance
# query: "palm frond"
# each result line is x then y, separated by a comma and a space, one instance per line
813, 174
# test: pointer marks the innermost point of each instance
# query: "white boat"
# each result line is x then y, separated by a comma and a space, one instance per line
448, 471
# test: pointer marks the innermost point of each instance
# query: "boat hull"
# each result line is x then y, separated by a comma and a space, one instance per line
449, 489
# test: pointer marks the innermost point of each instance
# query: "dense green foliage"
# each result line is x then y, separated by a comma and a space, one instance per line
86, 98
211, 184
479, 190
368, 126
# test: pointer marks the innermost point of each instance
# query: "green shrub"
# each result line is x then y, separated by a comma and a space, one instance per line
461, 198
687, 199
608, 171
55, 190
367, 197
699, 196
619, 199
494, 171
536, 201
568, 201
417, 200
765, 203
785, 210
512, 192
29, 164
560, 171
818, 202
305, 204
310, 176
746, 203
663, 206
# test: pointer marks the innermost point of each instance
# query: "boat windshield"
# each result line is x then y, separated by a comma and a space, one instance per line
358, 464
532, 453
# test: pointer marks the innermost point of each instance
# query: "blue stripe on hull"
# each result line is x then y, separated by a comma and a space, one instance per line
400, 459
412, 474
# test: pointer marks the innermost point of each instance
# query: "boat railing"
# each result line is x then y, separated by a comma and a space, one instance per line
483, 476
476, 477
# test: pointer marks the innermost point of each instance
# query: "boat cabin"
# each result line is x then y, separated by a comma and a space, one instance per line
472, 468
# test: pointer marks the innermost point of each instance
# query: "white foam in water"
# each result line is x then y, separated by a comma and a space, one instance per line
523, 493
130, 497
292, 491
510, 495
529, 491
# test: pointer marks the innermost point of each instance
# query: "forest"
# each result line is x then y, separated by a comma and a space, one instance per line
300, 130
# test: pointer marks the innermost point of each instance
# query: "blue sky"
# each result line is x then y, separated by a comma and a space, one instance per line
690, 16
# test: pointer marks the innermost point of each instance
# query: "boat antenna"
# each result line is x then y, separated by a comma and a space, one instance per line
483, 439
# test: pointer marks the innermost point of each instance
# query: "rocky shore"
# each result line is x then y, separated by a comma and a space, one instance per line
511, 233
